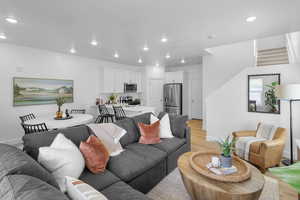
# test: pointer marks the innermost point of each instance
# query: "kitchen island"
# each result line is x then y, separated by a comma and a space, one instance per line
130, 110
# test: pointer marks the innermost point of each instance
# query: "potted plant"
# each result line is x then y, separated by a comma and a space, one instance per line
227, 147
271, 99
60, 101
113, 98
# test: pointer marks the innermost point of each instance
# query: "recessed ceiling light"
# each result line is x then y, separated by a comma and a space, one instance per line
168, 55
140, 60
2, 36
251, 19
182, 61
94, 43
146, 48
157, 64
164, 39
72, 50
116, 55
11, 20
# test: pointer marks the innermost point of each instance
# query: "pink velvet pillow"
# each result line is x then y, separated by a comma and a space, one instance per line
95, 154
149, 133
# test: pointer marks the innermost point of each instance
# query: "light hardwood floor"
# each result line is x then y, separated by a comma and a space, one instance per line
199, 142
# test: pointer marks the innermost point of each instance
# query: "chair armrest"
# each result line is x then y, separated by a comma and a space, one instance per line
272, 151
244, 133
272, 144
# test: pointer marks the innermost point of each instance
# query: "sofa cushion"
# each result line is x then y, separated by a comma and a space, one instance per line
143, 118
23, 187
99, 181
32, 142
170, 145
178, 124
122, 191
14, 161
148, 152
132, 134
134, 161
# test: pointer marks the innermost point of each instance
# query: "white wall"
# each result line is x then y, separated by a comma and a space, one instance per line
293, 40
224, 63
227, 107
17, 61
191, 72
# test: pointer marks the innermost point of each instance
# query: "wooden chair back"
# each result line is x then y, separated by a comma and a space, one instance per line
25, 118
119, 112
103, 110
34, 128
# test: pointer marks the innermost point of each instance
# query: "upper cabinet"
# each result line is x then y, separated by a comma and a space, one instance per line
174, 77
114, 80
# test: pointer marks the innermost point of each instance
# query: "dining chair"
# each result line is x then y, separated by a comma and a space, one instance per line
78, 111
25, 118
104, 115
34, 128
119, 113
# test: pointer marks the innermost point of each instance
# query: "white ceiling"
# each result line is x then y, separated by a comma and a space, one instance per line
126, 25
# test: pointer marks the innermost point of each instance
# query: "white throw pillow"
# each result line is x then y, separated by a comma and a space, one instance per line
103, 133
266, 131
62, 158
113, 130
165, 128
78, 190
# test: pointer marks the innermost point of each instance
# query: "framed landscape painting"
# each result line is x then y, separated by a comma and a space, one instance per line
35, 91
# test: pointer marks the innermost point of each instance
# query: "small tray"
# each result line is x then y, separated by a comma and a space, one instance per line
64, 118
199, 160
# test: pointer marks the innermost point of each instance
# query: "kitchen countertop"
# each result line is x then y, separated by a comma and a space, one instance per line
132, 110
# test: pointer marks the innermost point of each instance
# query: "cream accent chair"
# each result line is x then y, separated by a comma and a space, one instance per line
265, 154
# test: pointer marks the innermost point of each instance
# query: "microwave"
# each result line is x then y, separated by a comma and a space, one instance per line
130, 87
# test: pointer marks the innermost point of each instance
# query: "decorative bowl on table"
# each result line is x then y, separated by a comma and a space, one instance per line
200, 160
63, 118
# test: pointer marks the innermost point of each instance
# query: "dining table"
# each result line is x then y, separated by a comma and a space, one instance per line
52, 123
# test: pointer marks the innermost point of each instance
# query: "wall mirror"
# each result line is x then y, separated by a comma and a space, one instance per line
261, 93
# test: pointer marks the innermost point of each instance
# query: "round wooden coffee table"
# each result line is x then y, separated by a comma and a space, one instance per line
201, 188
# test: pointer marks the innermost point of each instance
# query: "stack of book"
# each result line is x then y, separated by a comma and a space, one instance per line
221, 171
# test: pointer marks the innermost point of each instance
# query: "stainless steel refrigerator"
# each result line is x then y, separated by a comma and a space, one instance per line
173, 98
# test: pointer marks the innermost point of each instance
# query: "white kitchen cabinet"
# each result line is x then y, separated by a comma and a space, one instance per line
139, 81
108, 80
114, 79
119, 81
174, 77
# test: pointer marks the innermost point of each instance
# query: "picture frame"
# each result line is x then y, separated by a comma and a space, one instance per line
41, 91
261, 93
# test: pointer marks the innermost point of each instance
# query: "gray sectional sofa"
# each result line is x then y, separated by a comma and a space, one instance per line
129, 175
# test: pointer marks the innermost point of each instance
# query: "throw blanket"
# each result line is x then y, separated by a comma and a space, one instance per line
242, 146
109, 134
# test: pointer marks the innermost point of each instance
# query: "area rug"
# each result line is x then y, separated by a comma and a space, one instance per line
172, 188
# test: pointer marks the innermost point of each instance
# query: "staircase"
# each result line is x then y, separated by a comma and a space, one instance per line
274, 56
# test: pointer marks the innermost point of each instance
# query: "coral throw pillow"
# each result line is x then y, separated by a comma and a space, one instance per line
149, 133
95, 154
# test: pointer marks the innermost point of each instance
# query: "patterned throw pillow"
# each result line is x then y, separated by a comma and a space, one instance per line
149, 133
78, 190
95, 154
